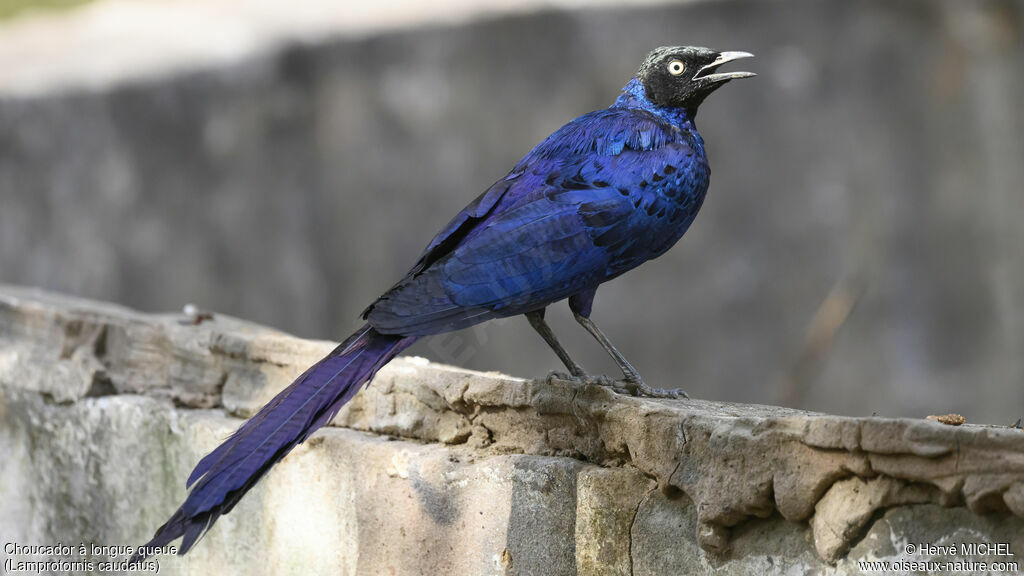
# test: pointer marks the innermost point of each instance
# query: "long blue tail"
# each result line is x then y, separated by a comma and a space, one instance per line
223, 476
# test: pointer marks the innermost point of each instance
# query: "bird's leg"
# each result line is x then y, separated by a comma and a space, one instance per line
536, 319
633, 383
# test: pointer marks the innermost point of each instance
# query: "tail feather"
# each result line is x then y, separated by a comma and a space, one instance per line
223, 476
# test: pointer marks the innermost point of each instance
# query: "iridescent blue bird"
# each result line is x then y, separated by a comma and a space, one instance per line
603, 194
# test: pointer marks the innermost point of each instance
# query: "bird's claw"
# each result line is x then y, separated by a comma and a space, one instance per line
632, 386
635, 386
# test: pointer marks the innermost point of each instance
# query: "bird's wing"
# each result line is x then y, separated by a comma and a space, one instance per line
464, 222
567, 218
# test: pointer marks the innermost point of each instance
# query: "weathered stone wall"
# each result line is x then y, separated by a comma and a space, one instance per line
440, 470
880, 146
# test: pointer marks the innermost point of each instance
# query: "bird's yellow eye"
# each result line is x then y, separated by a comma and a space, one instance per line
676, 67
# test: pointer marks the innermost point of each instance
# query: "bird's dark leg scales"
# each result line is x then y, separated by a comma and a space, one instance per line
634, 388
632, 383
638, 388
536, 319
627, 369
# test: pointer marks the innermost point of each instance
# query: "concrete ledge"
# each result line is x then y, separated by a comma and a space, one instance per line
104, 411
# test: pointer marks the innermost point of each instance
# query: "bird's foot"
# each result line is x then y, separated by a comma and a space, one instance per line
602, 380
635, 386
641, 390
632, 386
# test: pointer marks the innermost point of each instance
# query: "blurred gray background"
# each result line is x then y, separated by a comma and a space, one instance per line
860, 250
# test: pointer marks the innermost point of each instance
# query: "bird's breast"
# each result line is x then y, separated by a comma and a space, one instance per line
672, 197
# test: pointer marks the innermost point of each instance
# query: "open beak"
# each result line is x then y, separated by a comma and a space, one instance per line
705, 73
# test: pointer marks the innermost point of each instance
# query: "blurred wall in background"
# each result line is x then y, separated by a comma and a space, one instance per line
878, 158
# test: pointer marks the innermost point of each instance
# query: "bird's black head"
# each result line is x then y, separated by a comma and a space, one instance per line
682, 76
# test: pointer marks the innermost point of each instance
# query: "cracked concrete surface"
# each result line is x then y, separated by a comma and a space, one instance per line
103, 411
